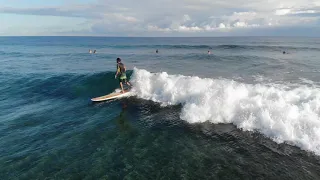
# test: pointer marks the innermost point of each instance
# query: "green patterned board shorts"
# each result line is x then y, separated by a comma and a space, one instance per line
123, 78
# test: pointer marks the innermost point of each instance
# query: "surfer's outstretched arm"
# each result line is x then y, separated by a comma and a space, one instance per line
117, 72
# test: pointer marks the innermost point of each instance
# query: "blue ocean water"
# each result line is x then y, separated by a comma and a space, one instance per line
245, 111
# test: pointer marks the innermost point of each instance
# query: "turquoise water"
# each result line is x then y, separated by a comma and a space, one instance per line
246, 111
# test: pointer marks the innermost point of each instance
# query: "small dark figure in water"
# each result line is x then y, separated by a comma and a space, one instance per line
283, 52
94, 51
209, 52
157, 51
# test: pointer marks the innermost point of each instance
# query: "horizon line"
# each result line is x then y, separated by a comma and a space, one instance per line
101, 36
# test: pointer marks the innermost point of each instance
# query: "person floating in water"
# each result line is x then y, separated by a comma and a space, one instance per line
283, 52
121, 72
209, 52
94, 51
157, 51
90, 51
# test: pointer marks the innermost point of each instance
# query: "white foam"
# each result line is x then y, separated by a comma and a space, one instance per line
284, 115
307, 81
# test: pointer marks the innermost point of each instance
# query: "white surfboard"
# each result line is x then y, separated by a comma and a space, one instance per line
114, 95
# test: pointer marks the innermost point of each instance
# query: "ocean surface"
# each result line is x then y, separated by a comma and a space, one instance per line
245, 111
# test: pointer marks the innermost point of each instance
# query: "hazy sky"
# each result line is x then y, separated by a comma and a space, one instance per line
160, 17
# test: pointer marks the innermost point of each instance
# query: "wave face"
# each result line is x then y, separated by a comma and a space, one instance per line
281, 113
68, 86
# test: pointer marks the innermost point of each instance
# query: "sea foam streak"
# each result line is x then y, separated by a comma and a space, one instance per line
283, 114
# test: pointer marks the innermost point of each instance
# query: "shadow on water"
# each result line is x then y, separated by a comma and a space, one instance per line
122, 121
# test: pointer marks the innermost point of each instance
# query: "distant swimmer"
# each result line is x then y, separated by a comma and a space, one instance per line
121, 72
209, 52
283, 52
157, 51
94, 51
90, 51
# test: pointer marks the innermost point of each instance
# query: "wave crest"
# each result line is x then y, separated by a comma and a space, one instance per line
283, 114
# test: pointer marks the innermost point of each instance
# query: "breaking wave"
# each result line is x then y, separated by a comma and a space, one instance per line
284, 114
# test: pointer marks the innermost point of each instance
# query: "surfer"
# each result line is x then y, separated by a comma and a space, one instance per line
121, 72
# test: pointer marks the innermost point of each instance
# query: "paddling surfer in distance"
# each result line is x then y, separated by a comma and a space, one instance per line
121, 72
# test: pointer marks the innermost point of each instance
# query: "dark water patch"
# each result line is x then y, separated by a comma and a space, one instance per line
195, 57
186, 47
219, 47
43, 130
261, 157
63, 86
146, 141
306, 65
165, 43
46, 55
263, 47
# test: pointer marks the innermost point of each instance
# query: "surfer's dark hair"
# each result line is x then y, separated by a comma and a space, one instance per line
118, 60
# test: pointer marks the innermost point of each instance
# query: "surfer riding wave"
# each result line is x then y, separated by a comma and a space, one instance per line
121, 72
